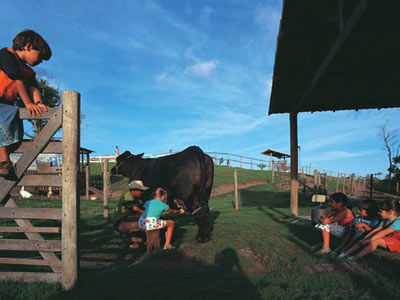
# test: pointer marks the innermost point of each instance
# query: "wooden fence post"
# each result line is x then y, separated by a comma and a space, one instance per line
344, 183
270, 162
371, 186
236, 190
337, 184
273, 171
87, 170
70, 197
315, 178
106, 183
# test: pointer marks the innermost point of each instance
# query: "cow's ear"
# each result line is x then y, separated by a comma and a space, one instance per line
139, 155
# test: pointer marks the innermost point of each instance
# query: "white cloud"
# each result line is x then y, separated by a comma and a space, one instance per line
202, 69
224, 123
336, 155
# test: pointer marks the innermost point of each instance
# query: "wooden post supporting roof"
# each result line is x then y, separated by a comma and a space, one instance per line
294, 182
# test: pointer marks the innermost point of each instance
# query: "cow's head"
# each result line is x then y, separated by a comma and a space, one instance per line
127, 165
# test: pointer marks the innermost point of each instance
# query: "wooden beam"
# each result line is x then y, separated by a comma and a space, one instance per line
31, 213
106, 185
348, 27
33, 236
294, 182
39, 143
52, 148
30, 229
41, 180
24, 114
30, 245
30, 276
27, 261
70, 188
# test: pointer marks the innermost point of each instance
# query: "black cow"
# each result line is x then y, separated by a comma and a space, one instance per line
187, 176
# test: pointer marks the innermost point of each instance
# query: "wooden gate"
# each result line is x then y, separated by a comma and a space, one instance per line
63, 268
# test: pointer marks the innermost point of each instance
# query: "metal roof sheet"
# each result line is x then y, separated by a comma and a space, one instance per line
363, 73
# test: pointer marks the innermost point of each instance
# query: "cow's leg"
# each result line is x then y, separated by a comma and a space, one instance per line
202, 218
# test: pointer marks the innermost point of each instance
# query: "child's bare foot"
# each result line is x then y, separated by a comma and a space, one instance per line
5, 168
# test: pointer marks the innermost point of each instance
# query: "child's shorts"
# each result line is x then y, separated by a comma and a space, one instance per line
392, 242
334, 229
11, 128
151, 223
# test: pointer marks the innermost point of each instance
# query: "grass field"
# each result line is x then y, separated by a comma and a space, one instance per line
258, 252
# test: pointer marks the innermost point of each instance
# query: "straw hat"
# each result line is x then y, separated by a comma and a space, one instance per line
137, 184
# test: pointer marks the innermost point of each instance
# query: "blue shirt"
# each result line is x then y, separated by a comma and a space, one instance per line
396, 224
374, 222
154, 208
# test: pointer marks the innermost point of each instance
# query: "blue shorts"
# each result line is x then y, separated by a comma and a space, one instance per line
11, 128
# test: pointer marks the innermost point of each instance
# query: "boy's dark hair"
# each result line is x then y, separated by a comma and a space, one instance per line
390, 204
35, 39
342, 198
160, 191
370, 206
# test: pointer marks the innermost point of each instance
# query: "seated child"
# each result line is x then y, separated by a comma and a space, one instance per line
150, 219
335, 221
386, 235
366, 220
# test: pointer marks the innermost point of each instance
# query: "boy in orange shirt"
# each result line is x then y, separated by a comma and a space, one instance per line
17, 78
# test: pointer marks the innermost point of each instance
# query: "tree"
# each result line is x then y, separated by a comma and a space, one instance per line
391, 145
50, 97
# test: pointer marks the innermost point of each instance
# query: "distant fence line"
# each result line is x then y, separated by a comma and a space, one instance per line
245, 162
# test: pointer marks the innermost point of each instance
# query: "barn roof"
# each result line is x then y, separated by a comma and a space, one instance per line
275, 153
337, 55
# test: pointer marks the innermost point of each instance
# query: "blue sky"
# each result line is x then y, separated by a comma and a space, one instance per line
160, 75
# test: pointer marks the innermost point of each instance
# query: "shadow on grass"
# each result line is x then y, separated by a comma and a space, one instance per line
167, 275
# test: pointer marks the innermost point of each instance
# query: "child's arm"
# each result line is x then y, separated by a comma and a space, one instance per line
362, 226
372, 232
176, 211
137, 209
37, 98
23, 93
337, 218
381, 234
327, 216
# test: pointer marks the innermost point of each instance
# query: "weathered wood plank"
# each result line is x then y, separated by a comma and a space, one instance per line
39, 143
31, 229
24, 114
28, 261
41, 180
30, 245
54, 147
31, 213
30, 276
34, 236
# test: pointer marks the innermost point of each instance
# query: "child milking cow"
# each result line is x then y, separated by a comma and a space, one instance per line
126, 218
